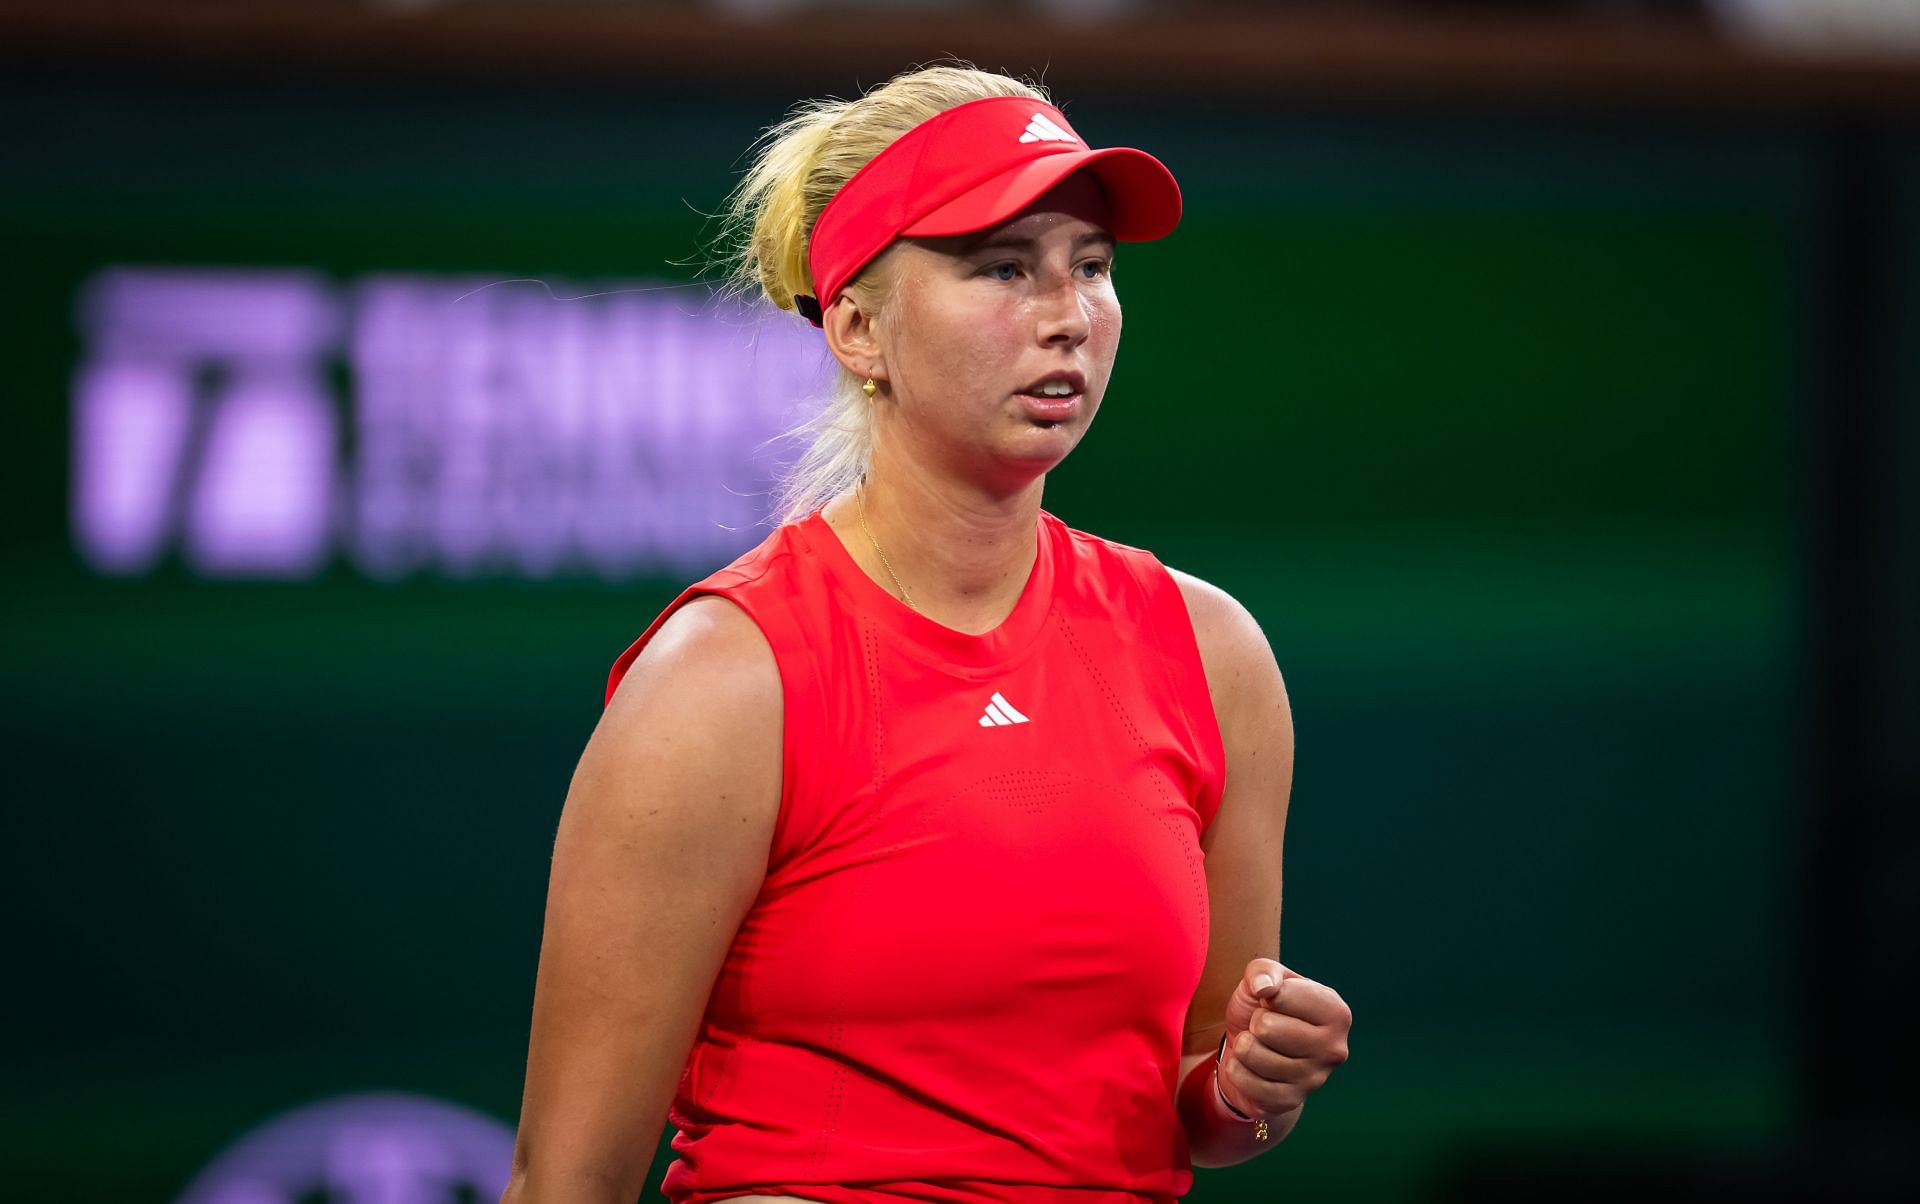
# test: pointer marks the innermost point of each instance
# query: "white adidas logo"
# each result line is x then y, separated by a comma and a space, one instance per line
1000, 713
1042, 130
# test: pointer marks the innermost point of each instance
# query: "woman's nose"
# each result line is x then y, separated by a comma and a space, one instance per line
1063, 312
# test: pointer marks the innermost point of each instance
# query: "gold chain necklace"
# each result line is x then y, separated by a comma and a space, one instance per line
859, 494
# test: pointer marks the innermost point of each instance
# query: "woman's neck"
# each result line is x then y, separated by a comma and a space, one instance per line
963, 556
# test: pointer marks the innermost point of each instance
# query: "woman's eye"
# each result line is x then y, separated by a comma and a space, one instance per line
1099, 267
996, 269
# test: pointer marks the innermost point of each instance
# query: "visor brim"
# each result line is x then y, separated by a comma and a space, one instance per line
1142, 193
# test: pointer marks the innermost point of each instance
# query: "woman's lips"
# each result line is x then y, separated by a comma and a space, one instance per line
1051, 409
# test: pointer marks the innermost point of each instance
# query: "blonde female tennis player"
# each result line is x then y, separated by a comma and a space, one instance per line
931, 850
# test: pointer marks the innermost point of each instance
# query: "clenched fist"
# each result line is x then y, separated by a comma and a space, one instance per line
1285, 1034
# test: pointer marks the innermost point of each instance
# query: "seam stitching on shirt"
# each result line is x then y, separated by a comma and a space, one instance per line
1195, 875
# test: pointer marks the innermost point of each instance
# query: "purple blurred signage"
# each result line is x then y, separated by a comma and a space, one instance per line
363, 1149
261, 423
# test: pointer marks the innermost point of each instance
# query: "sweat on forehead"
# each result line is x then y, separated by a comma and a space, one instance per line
1080, 195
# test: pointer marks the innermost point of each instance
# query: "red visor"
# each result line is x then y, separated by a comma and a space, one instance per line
968, 168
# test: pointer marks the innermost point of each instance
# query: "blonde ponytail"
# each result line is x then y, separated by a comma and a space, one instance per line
802, 163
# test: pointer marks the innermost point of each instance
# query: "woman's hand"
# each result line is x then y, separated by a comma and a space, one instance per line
1284, 1037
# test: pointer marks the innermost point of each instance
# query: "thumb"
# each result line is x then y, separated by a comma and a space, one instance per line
1257, 986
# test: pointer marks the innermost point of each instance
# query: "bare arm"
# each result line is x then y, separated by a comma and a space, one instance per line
1243, 848
662, 848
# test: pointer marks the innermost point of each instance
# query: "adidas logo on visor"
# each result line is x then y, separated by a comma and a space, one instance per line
1042, 130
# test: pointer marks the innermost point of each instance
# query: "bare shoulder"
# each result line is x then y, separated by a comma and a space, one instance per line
712, 637
1215, 611
693, 732
1242, 672
694, 728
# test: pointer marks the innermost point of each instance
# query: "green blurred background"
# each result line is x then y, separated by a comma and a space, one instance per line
1489, 418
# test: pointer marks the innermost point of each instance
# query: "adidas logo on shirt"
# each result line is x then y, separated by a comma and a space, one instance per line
1042, 130
1000, 713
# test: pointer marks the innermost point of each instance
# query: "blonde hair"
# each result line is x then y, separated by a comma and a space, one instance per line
802, 162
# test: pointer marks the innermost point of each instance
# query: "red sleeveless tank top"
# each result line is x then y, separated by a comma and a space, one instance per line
985, 907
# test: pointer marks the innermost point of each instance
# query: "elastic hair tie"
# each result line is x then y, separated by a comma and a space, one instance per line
809, 307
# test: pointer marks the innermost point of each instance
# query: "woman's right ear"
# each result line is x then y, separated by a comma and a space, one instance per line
852, 337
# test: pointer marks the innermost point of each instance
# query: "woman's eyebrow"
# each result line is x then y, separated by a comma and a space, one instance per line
1012, 242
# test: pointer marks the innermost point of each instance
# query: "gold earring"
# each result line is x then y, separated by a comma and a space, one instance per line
868, 388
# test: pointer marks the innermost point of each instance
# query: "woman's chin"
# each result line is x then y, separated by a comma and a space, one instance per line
1039, 447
